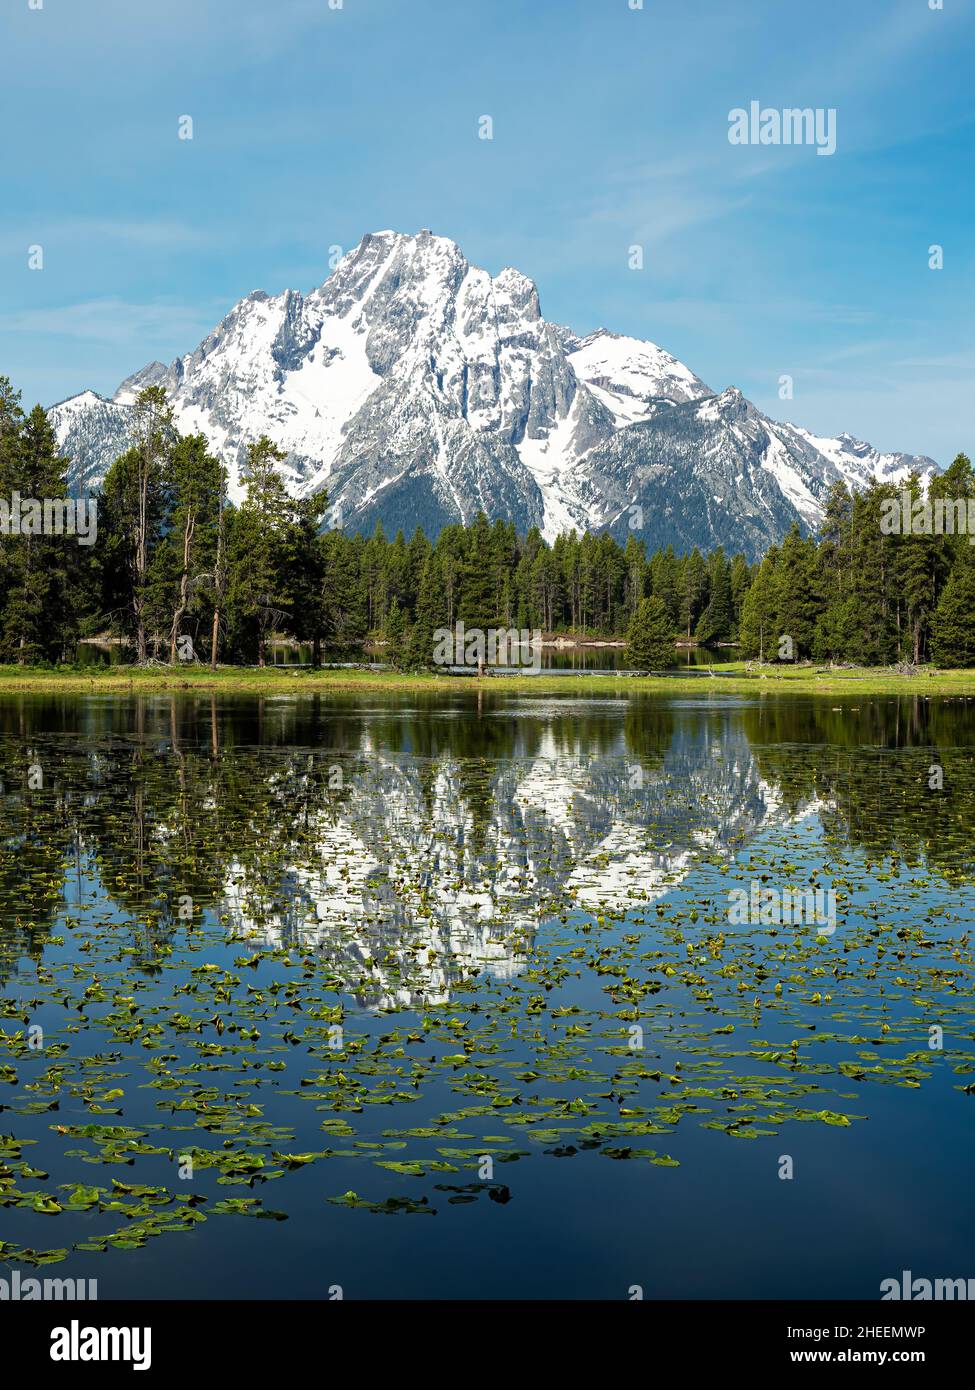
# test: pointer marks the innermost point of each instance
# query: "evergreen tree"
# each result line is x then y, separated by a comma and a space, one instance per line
11, 422
740, 581
915, 567
256, 589
758, 630
344, 617
833, 562
303, 562
431, 614
396, 634
797, 605
194, 483
693, 589
478, 586
715, 623
873, 599
218, 577
154, 436
637, 576
650, 639
375, 578
134, 496
418, 550
952, 627
503, 550
40, 612
547, 589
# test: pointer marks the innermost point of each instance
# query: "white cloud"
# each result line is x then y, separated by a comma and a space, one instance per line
114, 321
85, 231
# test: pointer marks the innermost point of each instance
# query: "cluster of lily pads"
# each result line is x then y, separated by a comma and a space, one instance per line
158, 1071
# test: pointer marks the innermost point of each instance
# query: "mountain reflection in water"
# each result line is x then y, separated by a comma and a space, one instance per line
413, 842
385, 956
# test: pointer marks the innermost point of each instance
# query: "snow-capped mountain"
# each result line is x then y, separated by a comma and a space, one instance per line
409, 885
420, 389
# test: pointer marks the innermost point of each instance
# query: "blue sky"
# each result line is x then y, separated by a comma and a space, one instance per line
314, 125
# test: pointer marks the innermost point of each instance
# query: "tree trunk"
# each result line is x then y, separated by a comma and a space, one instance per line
141, 546
184, 580
214, 637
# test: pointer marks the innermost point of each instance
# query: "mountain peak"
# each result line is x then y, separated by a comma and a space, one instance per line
420, 389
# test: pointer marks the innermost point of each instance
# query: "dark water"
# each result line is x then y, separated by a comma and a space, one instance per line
297, 940
579, 658
591, 658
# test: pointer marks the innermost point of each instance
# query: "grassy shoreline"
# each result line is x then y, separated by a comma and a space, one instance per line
731, 678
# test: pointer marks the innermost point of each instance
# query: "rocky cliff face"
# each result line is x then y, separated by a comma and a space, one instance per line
420, 389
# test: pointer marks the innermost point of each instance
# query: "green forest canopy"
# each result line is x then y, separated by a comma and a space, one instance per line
178, 570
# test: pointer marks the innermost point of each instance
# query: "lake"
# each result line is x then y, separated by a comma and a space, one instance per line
584, 657
444, 996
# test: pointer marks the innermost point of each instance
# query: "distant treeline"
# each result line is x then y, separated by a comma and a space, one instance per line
179, 572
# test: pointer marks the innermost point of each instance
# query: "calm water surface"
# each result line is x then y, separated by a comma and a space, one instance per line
441, 997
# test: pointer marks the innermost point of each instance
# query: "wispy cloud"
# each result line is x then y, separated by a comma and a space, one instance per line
950, 362
113, 321
89, 231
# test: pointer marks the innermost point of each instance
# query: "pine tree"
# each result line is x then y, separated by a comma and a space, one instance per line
134, 499
953, 488
873, 598
547, 589
431, 614
693, 589
194, 483
832, 634
478, 588
40, 611
11, 422
715, 623
302, 560
952, 627
503, 550
637, 577
375, 577
758, 630
740, 581
218, 577
343, 602
396, 634
838, 630
396, 563
798, 602
256, 589
418, 550
665, 575
154, 435
650, 639
916, 560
